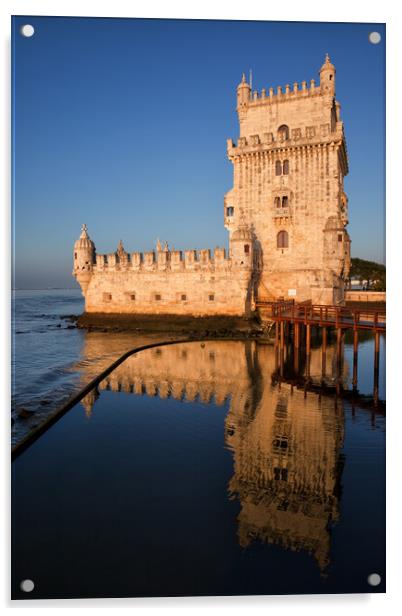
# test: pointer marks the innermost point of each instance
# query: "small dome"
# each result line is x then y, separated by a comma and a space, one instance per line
84, 240
327, 64
243, 83
242, 233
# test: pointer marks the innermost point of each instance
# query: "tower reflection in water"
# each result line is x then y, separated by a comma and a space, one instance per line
285, 442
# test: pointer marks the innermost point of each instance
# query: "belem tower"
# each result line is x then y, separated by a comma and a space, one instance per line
286, 216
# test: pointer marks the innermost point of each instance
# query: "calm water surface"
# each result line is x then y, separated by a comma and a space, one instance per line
191, 470
52, 359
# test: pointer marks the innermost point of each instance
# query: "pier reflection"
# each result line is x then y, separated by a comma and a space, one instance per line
286, 443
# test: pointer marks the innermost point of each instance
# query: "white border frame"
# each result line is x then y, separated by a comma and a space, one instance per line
294, 10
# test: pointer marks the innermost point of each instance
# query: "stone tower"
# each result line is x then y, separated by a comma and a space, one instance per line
289, 164
84, 259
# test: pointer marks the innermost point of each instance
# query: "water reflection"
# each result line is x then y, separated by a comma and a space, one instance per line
285, 442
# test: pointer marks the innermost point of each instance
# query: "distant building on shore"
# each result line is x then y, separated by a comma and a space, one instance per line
286, 215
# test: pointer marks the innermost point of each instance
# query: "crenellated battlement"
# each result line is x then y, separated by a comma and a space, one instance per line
268, 96
298, 137
175, 260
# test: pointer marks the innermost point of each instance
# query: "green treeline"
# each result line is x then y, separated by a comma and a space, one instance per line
370, 274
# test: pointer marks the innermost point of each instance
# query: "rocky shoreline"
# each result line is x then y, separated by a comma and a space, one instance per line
222, 327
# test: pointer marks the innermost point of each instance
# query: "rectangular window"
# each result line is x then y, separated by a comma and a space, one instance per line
158, 297
246, 249
132, 297
340, 237
183, 297
229, 211
107, 297
211, 297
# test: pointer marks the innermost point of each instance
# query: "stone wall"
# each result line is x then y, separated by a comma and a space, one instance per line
365, 296
166, 284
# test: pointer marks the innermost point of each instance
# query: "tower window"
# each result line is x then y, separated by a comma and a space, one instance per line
132, 297
183, 297
107, 297
246, 249
282, 239
330, 77
285, 167
278, 168
283, 132
75, 255
158, 297
285, 201
277, 202
211, 297
340, 238
229, 211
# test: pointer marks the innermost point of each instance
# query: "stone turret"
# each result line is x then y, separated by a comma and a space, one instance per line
327, 77
243, 92
84, 259
241, 246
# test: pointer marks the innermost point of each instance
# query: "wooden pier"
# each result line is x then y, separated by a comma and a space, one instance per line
293, 322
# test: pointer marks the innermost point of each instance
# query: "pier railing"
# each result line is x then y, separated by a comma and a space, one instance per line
292, 320
325, 316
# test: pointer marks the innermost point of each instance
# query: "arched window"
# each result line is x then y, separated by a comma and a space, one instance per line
230, 211
282, 239
283, 133
285, 167
277, 202
246, 249
278, 168
285, 201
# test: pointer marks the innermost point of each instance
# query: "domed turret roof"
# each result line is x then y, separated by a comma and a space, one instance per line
84, 240
242, 233
327, 64
243, 83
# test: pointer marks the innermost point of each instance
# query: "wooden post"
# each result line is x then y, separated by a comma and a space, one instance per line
324, 352
296, 356
308, 340
297, 335
355, 357
376, 365
338, 357
276, 333
338, 344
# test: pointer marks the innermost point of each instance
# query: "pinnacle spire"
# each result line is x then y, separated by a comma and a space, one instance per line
84, 231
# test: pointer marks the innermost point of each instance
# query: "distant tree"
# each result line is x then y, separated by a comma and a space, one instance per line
369, 273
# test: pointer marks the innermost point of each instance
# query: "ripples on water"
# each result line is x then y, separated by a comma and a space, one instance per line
190, 470
52, 359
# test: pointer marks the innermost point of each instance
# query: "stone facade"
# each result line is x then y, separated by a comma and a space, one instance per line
286, 215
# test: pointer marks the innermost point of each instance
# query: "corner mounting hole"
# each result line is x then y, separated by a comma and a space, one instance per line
27, 30
374, 37
374, 579
27, 585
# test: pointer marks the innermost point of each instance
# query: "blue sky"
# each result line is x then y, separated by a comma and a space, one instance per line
122, 124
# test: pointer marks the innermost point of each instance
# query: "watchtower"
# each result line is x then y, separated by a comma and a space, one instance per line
289, 164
